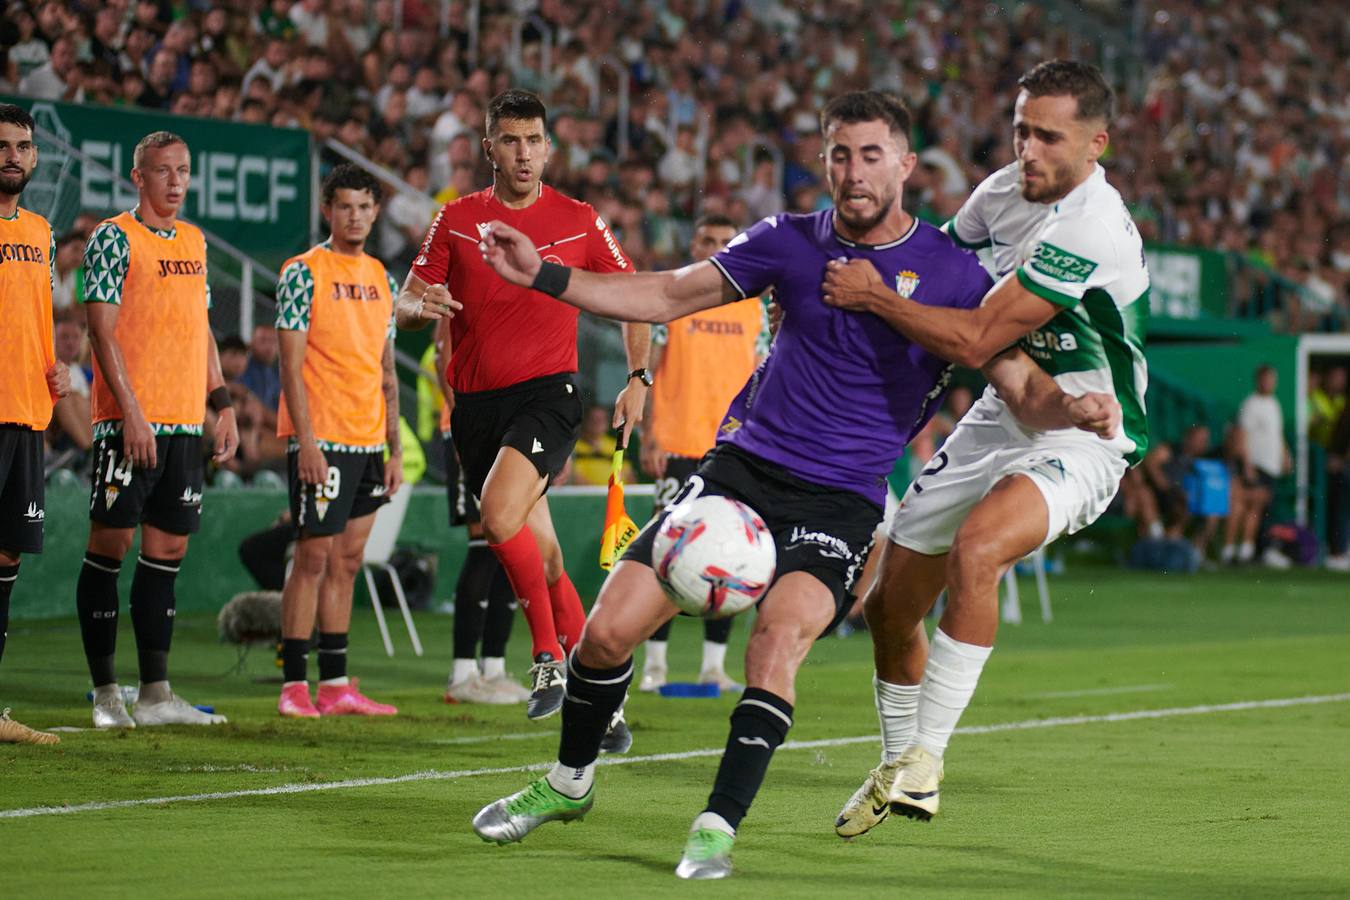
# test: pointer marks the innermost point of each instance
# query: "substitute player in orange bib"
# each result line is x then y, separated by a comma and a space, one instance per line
155, 367
339, 407
33, 378
514, 357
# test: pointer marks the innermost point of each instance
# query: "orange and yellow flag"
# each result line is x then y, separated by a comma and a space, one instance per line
619, 529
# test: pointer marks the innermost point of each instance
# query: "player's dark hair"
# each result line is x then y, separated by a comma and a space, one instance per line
16, 115
352, 177
867, 106
715, 220
232, 342
514, 103
153, 141
1069, 78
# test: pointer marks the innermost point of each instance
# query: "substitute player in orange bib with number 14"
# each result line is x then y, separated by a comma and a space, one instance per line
513, 358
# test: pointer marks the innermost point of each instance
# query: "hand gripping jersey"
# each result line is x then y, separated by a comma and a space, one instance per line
26, 260
1085, 255
841, 393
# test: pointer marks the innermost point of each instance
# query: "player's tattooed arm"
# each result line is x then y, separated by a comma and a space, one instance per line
1038, 402
640, 297
393, 467
967, 337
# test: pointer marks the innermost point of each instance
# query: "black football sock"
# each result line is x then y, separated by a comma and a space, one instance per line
8, 575
471, 598
501, 614
294, 659
152, 612
96, 601
759, 724
332, 655
718, 630
592, 697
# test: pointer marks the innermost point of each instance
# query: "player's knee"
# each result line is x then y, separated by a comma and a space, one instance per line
346, 563
311, 557
500, 525
111, 542
604, 644
975, 555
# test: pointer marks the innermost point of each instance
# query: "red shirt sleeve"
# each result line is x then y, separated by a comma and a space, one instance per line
603, 253
432, 263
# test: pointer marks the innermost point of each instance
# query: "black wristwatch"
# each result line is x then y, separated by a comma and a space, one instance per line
645, 375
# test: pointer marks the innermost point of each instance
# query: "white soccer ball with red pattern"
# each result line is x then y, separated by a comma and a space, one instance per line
714, 557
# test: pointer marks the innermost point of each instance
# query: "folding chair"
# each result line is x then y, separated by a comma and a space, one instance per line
379, 547
1012, 601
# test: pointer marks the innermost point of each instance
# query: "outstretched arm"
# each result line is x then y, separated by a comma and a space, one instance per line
1038, 402
641, 297
967, 337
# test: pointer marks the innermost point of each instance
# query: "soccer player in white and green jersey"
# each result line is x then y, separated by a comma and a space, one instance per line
1073, 294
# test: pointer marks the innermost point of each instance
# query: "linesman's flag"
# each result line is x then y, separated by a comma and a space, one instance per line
619, 529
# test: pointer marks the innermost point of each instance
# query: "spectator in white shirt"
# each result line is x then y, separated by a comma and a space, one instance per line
53, 79
1260, 458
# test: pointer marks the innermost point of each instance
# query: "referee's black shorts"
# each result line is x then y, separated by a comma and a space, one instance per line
541, 418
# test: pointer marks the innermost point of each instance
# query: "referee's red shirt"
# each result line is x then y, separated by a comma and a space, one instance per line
506, 334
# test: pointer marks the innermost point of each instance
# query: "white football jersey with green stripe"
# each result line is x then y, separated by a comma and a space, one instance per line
1085, 255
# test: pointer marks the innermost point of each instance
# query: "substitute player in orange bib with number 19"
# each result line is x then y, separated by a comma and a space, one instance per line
514, 356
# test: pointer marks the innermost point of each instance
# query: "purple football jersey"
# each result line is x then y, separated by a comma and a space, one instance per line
841, 393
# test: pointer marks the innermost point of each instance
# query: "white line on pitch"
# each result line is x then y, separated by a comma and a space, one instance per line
283, 789
1102, 692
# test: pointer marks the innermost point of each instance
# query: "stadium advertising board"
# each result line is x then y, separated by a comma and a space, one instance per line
250, 183
1186, 283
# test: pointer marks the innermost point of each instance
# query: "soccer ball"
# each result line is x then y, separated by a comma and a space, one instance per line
714, 557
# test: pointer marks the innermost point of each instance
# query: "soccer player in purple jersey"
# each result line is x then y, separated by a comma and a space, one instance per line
808, 444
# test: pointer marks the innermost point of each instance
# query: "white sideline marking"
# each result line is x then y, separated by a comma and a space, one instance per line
434, 775
1102, 692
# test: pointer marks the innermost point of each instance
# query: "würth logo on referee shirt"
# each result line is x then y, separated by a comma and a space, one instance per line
169, 267
29, 253
346, 291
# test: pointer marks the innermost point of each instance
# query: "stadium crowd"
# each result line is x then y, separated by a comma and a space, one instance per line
1238, 139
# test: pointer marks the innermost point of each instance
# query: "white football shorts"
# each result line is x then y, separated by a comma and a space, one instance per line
1077, 474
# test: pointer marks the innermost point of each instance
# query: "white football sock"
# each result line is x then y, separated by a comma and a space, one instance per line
656, 656
493, 667
714, 656
949, 682
897, 708
571, 782
714, 821
463, 670
1228, 553
1246, 552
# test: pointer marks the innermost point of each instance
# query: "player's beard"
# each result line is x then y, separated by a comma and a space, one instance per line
1053, 185
861, 225
12, 183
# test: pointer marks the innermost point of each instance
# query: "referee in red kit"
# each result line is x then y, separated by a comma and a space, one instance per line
513, 358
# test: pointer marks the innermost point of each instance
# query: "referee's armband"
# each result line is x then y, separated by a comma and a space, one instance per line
552, 279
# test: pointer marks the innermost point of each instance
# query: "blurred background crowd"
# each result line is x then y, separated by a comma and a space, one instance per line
1233, 130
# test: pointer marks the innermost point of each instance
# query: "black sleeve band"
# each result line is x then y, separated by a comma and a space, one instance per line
219, 399
552, 279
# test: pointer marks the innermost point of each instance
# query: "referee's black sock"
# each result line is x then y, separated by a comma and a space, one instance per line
152, 612
759, 724
96, 601
592, 697
8, 575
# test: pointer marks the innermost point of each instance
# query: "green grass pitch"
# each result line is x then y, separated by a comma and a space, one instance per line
1202, 803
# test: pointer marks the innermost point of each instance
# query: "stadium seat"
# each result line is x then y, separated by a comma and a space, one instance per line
379, 547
